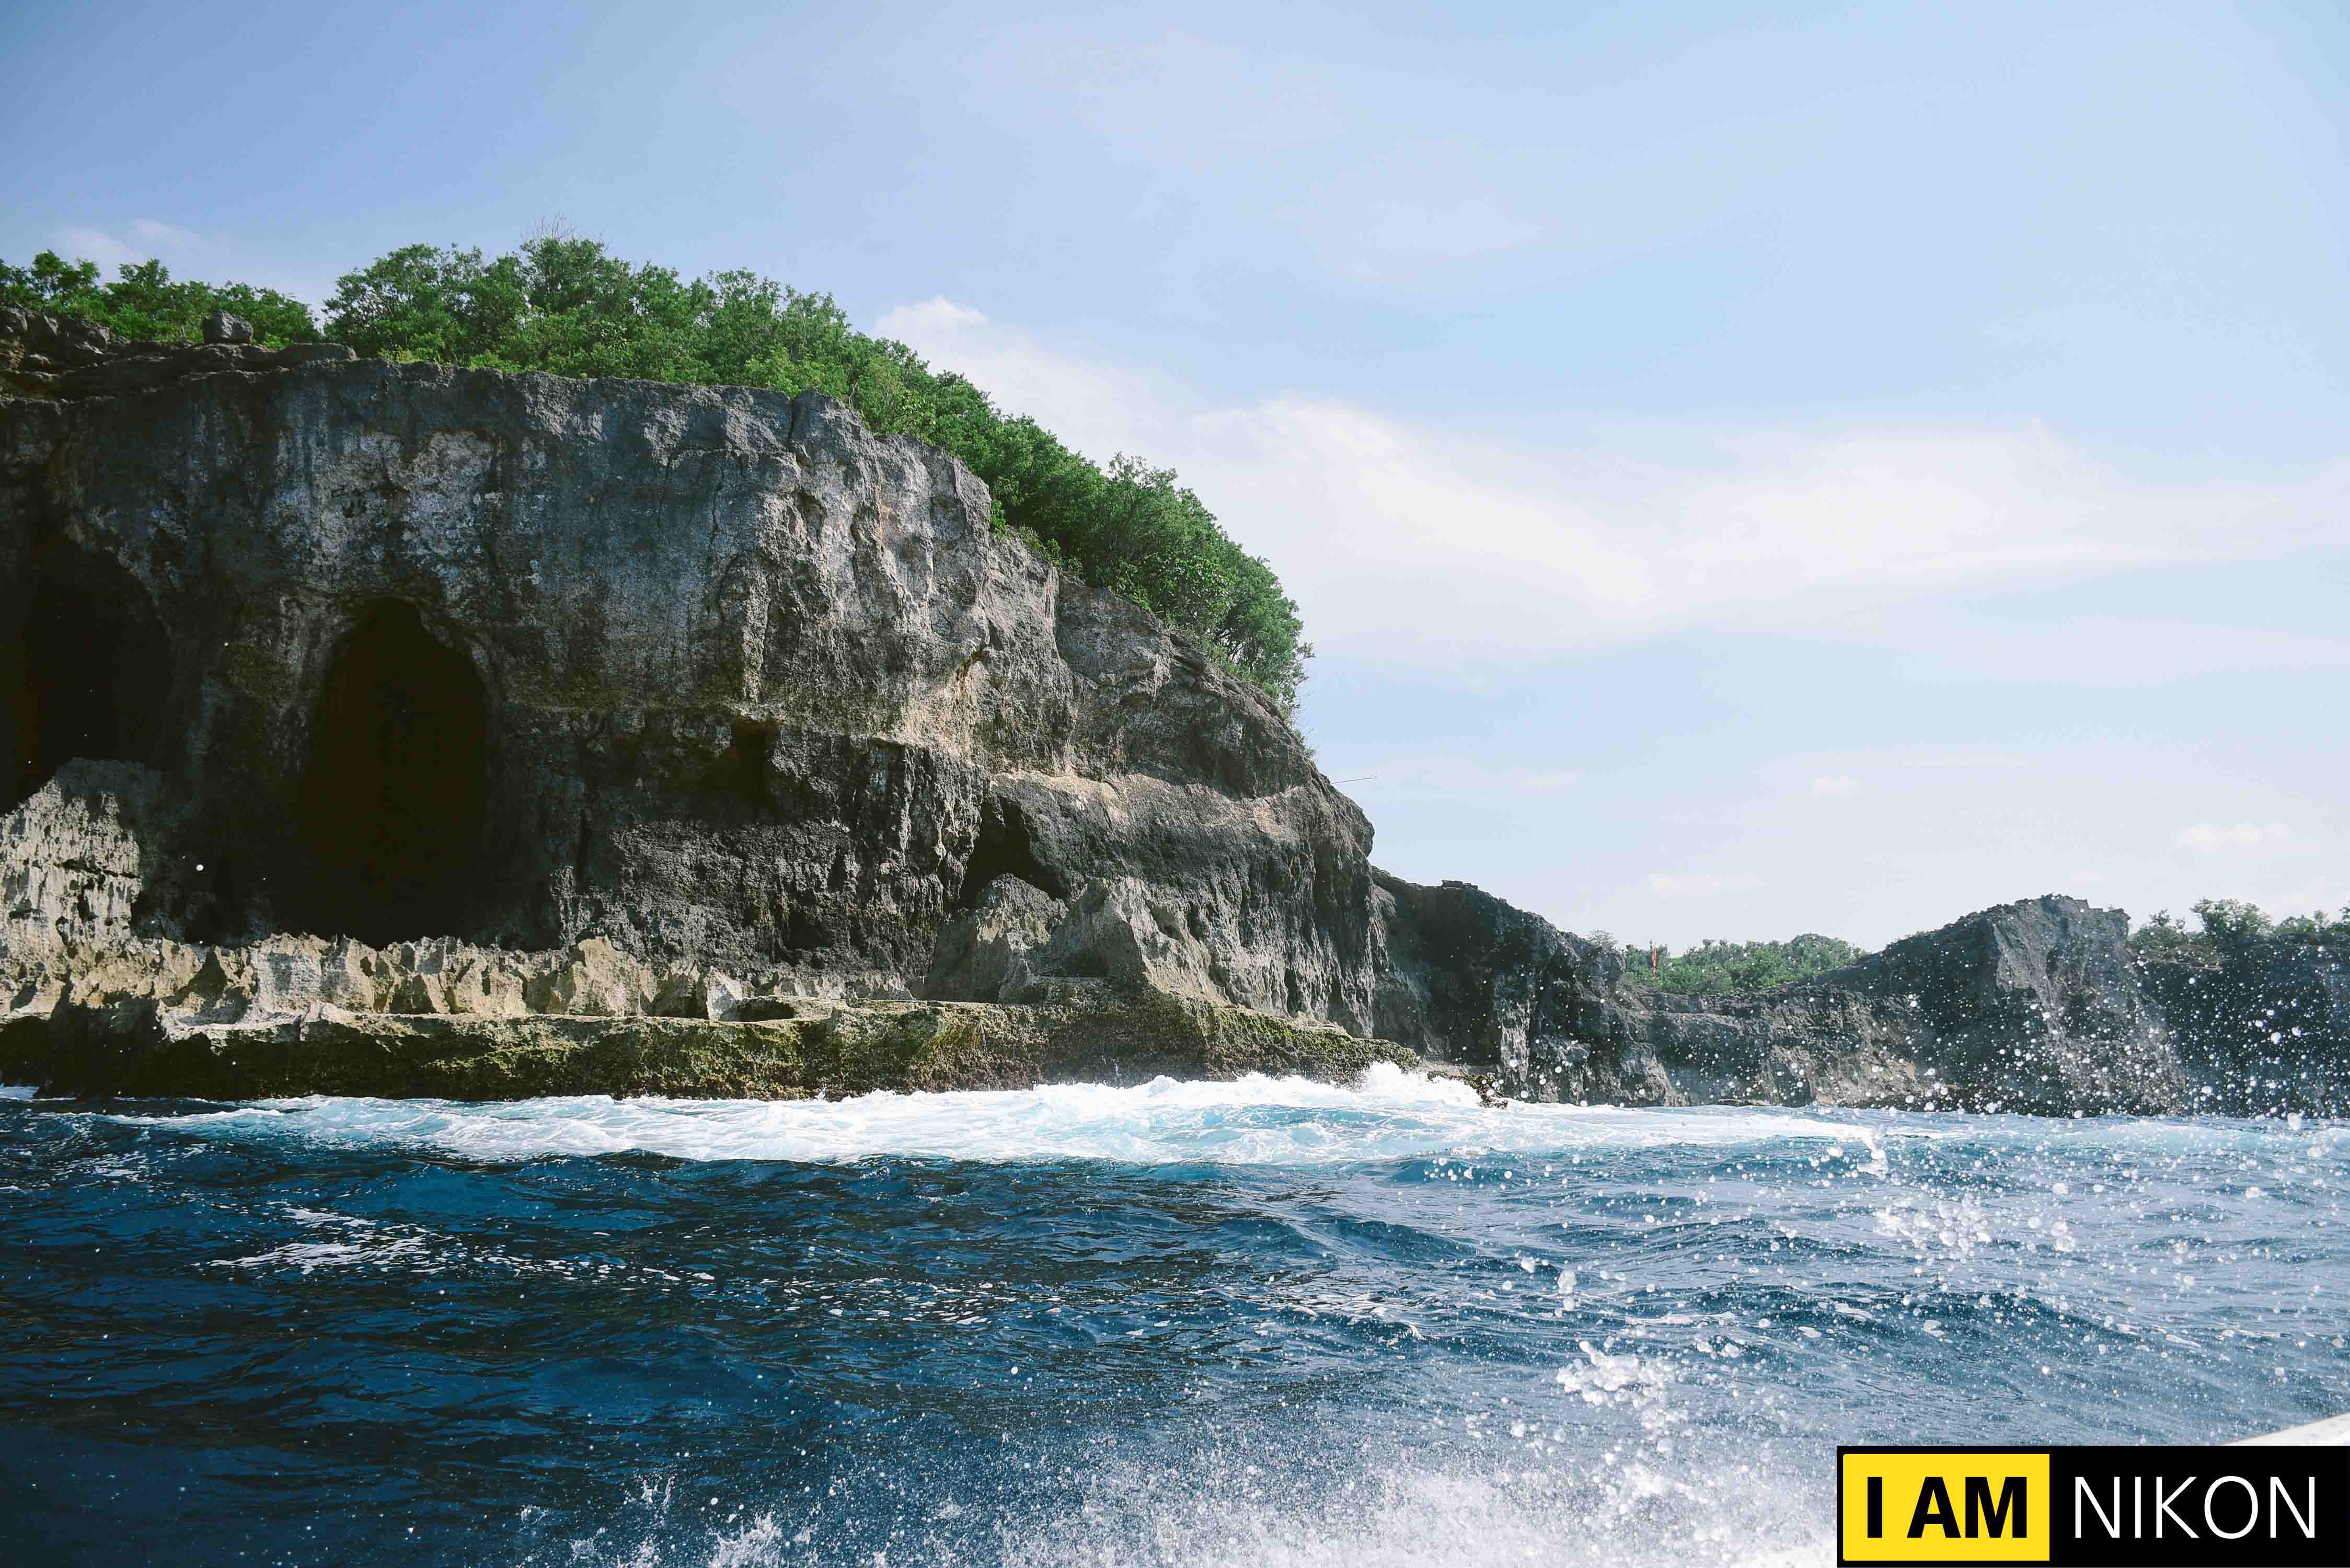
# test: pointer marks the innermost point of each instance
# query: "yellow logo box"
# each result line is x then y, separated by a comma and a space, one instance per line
1932, 1507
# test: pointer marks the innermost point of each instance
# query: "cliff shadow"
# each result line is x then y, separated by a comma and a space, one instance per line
395, 786
86, 675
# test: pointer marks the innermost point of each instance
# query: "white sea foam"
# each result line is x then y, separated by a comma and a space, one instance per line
1255, 1120
17, 1091
1628, 1515
1530, 1503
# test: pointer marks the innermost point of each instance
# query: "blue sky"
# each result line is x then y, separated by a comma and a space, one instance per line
1745, 469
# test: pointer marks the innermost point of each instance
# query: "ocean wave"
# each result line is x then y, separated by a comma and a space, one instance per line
1269, 1321
1389, 1115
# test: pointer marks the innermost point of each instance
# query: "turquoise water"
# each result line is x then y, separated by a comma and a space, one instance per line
1260, 1322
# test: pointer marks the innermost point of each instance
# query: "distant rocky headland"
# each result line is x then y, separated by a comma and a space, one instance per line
380, 728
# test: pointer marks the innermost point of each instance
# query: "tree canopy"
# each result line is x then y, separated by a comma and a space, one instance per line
145, 302
2232, 926
1714, 967
566, 304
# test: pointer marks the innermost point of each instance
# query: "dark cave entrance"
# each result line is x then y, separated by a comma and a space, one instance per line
1002, 848
87, 675
395, 786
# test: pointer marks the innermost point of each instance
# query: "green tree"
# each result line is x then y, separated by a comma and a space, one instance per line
145, 301
51, 284
1712, 968
447, 305
2315, 927
2231, 924
2162, 934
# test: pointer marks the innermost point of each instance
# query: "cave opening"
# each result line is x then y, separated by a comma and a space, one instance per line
1003, 847
87, 674
395, 786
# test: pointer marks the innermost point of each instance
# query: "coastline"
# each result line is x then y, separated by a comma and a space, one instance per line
799, 1049
698, 740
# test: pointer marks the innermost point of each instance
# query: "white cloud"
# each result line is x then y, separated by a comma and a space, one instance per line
935, 318
1963, 762
96, 244
1411, 545
1839, 784
1703, 885
2245, 840
149, 238
154, 232
1095, 404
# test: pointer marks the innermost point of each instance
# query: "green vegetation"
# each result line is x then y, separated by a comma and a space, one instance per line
145, 302
564, 304
1712, 968
2230, 926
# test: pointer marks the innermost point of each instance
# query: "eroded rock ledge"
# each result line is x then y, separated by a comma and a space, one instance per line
90, 1008
112, 1045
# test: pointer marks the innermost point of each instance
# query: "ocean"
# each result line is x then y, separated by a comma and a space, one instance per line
1259, 1323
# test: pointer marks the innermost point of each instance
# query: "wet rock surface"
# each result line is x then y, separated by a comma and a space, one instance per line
102, 1043
2263, 1025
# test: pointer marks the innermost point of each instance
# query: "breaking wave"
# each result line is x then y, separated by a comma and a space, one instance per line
1255, 1120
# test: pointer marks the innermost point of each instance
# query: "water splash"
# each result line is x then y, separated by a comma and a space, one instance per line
1252, 1121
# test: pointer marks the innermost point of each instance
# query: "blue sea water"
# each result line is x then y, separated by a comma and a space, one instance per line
1268, 1321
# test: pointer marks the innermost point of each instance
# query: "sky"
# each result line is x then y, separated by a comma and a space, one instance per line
1745, 470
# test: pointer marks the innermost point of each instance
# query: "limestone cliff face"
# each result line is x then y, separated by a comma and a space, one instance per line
372, 728
710, 674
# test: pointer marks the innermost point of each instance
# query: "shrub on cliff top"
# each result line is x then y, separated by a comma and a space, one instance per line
565, 305
1713, 967
2232, 926
145, 302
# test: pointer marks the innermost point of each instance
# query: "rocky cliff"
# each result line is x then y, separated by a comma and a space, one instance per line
2036, 1006
713, 674
399, 729
2263, 1025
